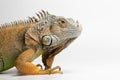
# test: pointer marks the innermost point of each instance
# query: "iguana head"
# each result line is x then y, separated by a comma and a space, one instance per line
55, 31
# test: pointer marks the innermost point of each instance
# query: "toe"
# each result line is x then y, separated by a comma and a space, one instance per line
39, 65
57, 68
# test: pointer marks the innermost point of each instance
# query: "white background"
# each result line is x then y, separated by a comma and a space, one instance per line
95, 55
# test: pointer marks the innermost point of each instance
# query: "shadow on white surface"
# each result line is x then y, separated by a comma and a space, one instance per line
12, 74
83, 72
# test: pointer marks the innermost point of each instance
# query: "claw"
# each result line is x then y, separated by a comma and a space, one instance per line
39, 65
56, 70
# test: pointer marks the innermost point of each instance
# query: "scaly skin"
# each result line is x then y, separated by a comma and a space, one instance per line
11, 44
22, 42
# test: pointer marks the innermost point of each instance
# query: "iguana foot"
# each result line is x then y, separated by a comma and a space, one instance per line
54, 70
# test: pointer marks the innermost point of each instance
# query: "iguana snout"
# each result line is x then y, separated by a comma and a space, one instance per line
75, 27
72, 31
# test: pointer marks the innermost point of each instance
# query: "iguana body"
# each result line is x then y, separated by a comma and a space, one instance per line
13, 37
21, 42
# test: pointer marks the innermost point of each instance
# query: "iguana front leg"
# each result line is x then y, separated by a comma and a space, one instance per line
24, 65
48, 58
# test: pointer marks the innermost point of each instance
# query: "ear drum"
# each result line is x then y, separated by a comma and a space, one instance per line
48, 40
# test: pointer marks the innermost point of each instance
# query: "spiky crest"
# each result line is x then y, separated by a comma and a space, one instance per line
31, 20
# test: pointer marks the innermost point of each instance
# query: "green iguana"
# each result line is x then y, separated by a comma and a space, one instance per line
23, 41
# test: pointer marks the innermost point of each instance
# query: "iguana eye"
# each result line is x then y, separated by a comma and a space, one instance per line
46, 40
62, 22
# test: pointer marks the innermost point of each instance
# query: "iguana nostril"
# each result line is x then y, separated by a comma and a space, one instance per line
77, 25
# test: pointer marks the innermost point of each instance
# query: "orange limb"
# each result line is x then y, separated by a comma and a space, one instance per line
24, 65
